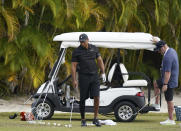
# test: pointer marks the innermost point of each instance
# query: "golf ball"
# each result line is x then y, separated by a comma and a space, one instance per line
31, 122
69, 125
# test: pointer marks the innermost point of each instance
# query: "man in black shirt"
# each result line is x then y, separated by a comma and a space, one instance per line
85, 56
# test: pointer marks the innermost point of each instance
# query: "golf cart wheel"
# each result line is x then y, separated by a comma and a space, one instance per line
43, 111
125, 111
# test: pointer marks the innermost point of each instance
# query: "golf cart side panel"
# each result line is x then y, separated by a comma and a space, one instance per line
136, 100
109, 95
53, 98
113, 93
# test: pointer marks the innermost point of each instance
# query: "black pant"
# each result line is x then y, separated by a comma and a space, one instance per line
89, 87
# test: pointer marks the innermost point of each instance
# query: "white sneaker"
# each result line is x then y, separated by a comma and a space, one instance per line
168, 122
156, 106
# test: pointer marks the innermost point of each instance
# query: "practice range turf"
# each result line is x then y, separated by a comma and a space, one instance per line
146, 122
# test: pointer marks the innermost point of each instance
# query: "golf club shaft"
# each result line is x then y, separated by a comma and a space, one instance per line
146, 104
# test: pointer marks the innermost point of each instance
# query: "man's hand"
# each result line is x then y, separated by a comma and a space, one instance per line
164, 88
75, 84
155, 39
103, 76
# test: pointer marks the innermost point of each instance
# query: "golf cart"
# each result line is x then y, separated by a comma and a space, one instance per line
126, 100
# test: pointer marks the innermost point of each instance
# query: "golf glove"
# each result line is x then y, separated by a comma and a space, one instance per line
103, 76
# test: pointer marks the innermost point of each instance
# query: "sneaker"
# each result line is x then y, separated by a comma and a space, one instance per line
168, 122
156, 106
96, 122
83, 123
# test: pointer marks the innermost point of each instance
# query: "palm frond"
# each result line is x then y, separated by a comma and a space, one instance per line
11, 22
51, 4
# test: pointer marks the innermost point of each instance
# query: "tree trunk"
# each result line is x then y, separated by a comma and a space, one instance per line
108, 61
139, 59
2, 3
26, 17
42, 12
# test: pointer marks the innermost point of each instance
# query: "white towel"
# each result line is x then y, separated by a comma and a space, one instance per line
107, 122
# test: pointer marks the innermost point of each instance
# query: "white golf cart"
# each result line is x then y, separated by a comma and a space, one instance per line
125, 99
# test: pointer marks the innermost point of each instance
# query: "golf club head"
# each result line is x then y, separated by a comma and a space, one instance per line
13, 116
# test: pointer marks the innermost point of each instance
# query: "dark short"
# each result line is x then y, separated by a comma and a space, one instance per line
89, 86
169, 93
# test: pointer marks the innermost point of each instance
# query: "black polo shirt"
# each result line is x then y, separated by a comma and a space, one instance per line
86, 59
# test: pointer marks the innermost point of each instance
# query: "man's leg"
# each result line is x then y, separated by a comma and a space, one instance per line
82, 109
96, 106
170, 109
169, 99
84, 91
156, 92
94, 93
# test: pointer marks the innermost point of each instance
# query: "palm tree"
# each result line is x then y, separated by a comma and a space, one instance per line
28, 26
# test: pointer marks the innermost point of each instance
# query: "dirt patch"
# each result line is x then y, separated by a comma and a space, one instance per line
15, 104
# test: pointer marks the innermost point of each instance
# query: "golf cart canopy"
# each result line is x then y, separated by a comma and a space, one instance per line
122, 40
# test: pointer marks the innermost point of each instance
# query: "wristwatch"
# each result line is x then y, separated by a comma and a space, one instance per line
165, 84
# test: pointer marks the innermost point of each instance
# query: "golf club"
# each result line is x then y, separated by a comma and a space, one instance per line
147, 104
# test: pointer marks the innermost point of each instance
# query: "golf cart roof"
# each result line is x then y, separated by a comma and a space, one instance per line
122, 40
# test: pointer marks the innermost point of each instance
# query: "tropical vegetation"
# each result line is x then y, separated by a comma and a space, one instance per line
27, 27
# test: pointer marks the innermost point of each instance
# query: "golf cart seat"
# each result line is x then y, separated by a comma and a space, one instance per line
127, 82
109, 78
111, 72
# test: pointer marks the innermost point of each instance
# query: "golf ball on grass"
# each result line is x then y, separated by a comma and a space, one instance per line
32, 122
90, 124
68, 126
41, 123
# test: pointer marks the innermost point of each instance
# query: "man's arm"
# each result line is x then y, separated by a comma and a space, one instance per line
73, 70
166, 80
100, 64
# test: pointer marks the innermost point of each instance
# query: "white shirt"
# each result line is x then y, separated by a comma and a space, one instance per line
166, 51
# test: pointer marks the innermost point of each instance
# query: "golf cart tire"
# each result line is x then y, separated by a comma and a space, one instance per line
125, 105
51, 107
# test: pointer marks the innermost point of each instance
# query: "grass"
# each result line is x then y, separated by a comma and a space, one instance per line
146, 122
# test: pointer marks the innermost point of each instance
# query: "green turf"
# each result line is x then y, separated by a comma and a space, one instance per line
146, 122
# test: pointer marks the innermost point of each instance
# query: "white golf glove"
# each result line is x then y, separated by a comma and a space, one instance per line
103, 76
